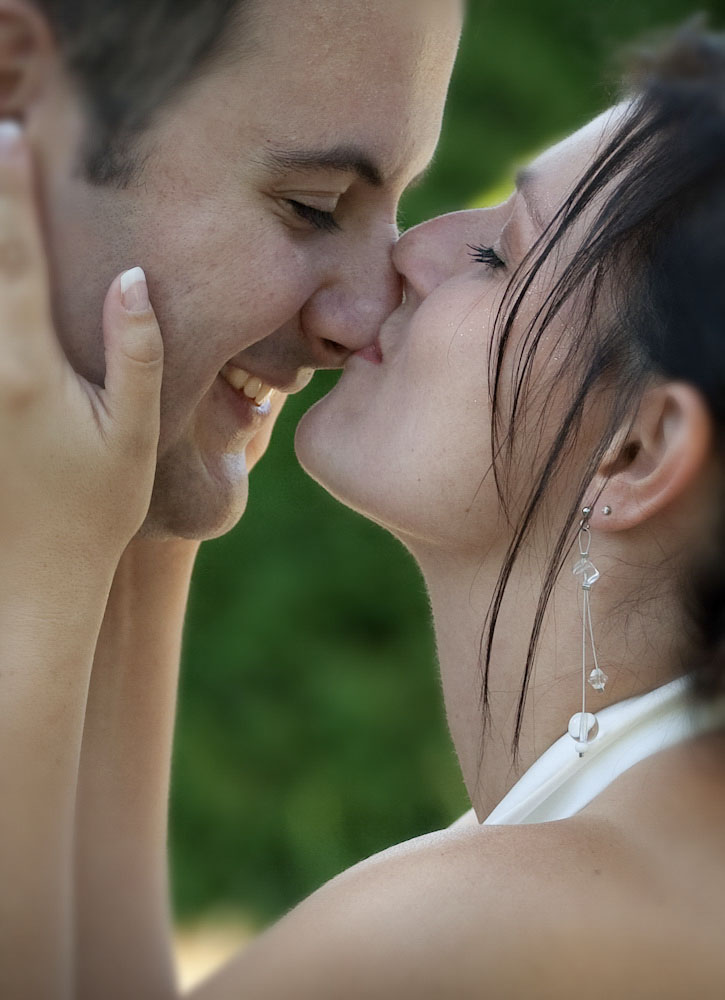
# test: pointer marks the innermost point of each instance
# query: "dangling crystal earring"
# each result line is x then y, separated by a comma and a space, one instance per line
583, 726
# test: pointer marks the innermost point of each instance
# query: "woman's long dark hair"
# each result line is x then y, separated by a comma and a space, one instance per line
645, 293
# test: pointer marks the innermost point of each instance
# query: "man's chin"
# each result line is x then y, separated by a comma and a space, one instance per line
192, 502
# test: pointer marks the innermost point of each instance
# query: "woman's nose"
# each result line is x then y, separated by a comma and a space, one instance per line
345, 314
434, 251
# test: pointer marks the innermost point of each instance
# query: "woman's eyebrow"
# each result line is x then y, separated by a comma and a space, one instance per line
344, 159
525, 183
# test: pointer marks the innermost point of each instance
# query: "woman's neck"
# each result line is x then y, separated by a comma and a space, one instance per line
635, 651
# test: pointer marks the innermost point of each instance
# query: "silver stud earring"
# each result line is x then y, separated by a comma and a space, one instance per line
583, 726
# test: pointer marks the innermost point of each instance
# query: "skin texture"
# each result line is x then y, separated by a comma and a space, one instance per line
234, 271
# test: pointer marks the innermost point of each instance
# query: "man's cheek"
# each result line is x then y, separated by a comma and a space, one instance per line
185, 385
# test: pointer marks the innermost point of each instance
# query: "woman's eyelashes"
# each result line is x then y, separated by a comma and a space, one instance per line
324, 221
487, 256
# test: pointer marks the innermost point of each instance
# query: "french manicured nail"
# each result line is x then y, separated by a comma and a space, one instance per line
135, 291
10, 137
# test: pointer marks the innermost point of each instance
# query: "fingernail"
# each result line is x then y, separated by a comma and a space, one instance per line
135, 291
10, 136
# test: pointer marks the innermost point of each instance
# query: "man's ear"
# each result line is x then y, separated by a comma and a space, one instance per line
26, 50
657, 459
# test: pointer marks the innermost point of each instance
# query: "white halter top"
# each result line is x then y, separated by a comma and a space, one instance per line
560, 783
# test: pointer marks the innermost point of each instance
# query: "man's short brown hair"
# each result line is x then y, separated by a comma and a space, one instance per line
129, 57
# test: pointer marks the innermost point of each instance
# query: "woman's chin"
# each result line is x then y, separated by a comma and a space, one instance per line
319, 446
328, 447
347, 447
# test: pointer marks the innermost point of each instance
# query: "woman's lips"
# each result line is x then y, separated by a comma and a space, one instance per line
373, 353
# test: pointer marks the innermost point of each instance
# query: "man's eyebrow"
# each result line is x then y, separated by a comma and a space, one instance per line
345, 159
525, 181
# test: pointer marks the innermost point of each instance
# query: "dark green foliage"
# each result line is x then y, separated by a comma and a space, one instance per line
311, 732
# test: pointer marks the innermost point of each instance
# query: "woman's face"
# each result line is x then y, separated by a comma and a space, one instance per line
404, 438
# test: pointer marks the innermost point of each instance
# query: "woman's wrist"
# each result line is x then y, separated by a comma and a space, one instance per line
53, 590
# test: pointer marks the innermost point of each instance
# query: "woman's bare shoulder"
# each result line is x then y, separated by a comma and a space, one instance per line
627, 897
474, 912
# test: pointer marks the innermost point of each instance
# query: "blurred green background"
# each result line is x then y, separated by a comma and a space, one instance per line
311, 732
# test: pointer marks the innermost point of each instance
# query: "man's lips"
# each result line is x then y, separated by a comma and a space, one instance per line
257, 389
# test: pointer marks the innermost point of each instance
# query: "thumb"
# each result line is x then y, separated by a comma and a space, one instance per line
134, 357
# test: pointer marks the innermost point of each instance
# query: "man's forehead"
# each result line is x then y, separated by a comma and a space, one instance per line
366, 103
315, 50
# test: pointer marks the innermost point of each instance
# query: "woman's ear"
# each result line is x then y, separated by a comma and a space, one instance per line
656, 460
26, 50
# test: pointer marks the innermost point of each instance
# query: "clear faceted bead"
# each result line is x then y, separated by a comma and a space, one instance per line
598, 679
583, 728
587, 571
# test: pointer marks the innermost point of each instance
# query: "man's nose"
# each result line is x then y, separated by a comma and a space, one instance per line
345, 314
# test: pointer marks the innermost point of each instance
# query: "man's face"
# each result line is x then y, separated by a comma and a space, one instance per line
264, 216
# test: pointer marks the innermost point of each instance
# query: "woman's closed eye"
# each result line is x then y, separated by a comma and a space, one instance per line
317, 217
487, 256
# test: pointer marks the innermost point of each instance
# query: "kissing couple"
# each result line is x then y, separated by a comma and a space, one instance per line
197, 211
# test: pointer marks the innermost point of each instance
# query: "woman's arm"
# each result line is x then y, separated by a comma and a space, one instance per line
121, 872
122, 897
77, 467
48, 624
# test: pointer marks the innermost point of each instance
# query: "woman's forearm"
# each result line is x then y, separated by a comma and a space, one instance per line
49, 630
124, 945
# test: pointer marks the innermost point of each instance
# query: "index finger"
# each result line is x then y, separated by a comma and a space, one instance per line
25, 323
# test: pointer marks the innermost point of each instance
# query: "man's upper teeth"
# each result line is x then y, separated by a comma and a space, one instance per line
252, 387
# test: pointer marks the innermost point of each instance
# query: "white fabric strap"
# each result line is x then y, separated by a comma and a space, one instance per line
560, 783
